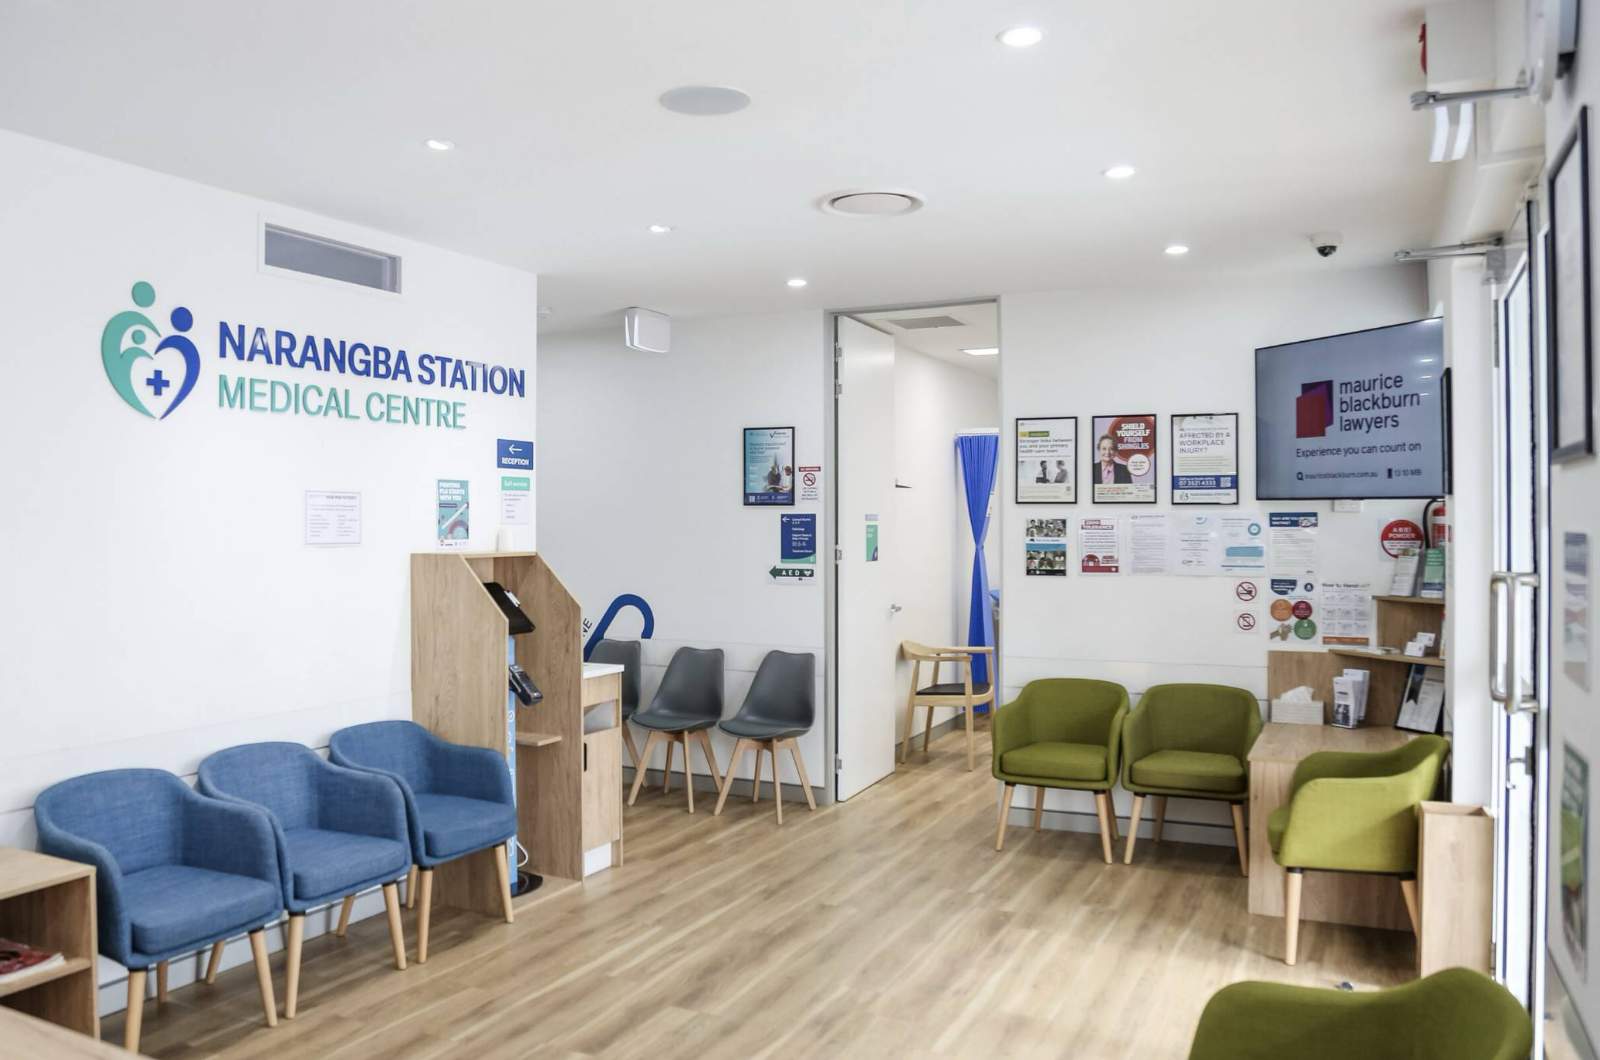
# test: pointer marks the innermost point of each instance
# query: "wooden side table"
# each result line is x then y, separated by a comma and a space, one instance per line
49, 903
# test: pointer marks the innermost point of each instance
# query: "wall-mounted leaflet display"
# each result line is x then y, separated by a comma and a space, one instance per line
768, 466
1046, 547
1205, 458
1124, 466
1100, 545
1047, 460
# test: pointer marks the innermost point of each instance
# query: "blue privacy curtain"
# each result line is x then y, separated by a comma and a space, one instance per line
980, 457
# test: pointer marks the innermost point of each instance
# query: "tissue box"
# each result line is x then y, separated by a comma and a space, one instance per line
1302, 712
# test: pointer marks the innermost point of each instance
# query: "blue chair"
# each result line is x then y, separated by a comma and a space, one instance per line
174, 872
338, 831
458, 801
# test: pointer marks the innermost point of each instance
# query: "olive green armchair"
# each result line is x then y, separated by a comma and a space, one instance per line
1064, 732
1455, 1014
1190, 741
1353, 812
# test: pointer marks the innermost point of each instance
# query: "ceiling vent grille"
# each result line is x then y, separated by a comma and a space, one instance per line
925, 323
284, 248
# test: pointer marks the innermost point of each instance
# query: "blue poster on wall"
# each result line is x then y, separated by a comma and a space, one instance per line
768, 465
514, 453
798, 538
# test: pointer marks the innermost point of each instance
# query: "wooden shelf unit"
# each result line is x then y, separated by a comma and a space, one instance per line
1388, 656
50, 903
459, 688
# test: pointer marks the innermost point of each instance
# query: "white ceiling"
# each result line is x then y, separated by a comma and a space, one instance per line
1252, 122
979, 329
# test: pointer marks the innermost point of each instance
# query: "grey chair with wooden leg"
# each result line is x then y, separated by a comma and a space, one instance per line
686, 706
627, 654
780, 707
963, 694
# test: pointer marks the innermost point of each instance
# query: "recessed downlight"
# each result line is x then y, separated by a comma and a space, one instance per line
704, 101
1020, 36
797, 281
440, 145
1120, 171
983, 351
881, 202
660, 230
1177, 250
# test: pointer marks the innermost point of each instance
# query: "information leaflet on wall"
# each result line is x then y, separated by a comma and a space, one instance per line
797, 550
516, 500
332, 518
1047, 460
1292, 579
1347, 613
1575, 646
1213, 544
1149, 546
1100, 545
1124, 468
453, 512
872, 537
809, 480
1045, 547
1205, 458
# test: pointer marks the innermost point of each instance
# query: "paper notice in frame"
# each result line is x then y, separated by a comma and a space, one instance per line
1347, 613
1123, 469
516, 500
1047, 460
332, 518
1045, 547
1575, 636
454, 513
1100, 545
1205, 458
1150, 543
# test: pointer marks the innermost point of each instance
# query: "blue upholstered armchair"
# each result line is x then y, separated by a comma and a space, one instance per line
458, 799
338, 832
174, 871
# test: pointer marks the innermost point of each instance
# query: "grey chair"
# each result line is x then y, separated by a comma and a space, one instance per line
686, 706
781, 706
628, 655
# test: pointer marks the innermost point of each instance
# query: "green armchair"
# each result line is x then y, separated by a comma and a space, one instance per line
1455, 1014
1353, 812
1064, 732
1190, 741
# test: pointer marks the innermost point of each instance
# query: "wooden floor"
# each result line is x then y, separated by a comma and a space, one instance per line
887, 926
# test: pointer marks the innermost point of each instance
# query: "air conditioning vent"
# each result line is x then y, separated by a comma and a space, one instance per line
284, 248
925, 323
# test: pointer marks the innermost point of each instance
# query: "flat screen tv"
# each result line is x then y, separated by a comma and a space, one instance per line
1357, 415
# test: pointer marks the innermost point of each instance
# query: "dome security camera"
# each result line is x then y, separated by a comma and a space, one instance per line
1326, 243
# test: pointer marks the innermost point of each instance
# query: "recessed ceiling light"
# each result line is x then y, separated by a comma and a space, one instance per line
797, 282
983, 351
440, 145
703, 101
660, 230
1020, 36
1177, 250
1120, 171
879, 203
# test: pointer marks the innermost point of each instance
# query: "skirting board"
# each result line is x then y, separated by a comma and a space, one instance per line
703, 783
1076, 821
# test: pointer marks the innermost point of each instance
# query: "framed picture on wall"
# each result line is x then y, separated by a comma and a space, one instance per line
768, 466
1205, 458
1122, 469
1567, 291
1047, 460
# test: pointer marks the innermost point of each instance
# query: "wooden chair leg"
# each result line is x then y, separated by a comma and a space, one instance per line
214, 962
911, 713
666, 773
641, 772
424, 916
161, 983
411, 888
972, 747
755, 789
1408, 889
291, 964
927, 728
688, 777
1038, 807
1238, 838
1133, 828
777, 779
258, 950
502, 871
397, 938
1161, 819
727, 778
711, 756
135, 1018
800, 768
1292, 879
1005, 811
1103, 811
633, 748
1111, 812
350, 900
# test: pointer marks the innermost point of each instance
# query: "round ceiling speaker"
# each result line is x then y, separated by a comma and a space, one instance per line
704, 101
872, 203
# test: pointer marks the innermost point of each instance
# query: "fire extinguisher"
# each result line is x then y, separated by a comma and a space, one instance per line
1436, 524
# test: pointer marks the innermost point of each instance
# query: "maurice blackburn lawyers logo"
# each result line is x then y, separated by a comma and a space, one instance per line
1363, 405
130, 339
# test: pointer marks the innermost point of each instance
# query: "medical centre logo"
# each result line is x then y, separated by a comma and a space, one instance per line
130, 340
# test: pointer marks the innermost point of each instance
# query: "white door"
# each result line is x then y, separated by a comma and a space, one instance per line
864, 607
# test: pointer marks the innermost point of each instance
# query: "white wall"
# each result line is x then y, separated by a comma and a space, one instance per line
163, 604
639, 491
1183, 347
933, 400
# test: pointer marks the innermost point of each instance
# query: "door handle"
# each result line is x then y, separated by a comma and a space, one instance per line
1505, 680
895, 609
1499, 627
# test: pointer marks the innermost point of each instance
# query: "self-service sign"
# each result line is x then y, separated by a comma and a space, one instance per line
514, 453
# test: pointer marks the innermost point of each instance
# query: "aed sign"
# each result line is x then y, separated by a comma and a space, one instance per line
514, 453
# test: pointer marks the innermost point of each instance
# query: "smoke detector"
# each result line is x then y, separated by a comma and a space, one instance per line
871, 203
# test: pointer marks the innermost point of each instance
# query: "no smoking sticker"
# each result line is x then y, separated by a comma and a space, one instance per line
1245, 622
1245, 591
810, 480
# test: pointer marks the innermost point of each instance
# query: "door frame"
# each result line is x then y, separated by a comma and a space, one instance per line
830, 498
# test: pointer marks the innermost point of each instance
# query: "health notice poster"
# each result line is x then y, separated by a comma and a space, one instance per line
1046, 547
454, 526
1205, 458
1100, 546
1124, 466
1047, 460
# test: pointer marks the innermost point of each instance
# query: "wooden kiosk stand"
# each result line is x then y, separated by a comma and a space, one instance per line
459, 655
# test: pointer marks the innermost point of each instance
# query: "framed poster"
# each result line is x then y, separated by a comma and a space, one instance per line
1567, 290
1124, 466
1205, 458
768, 466
1046, 547
1047, 460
